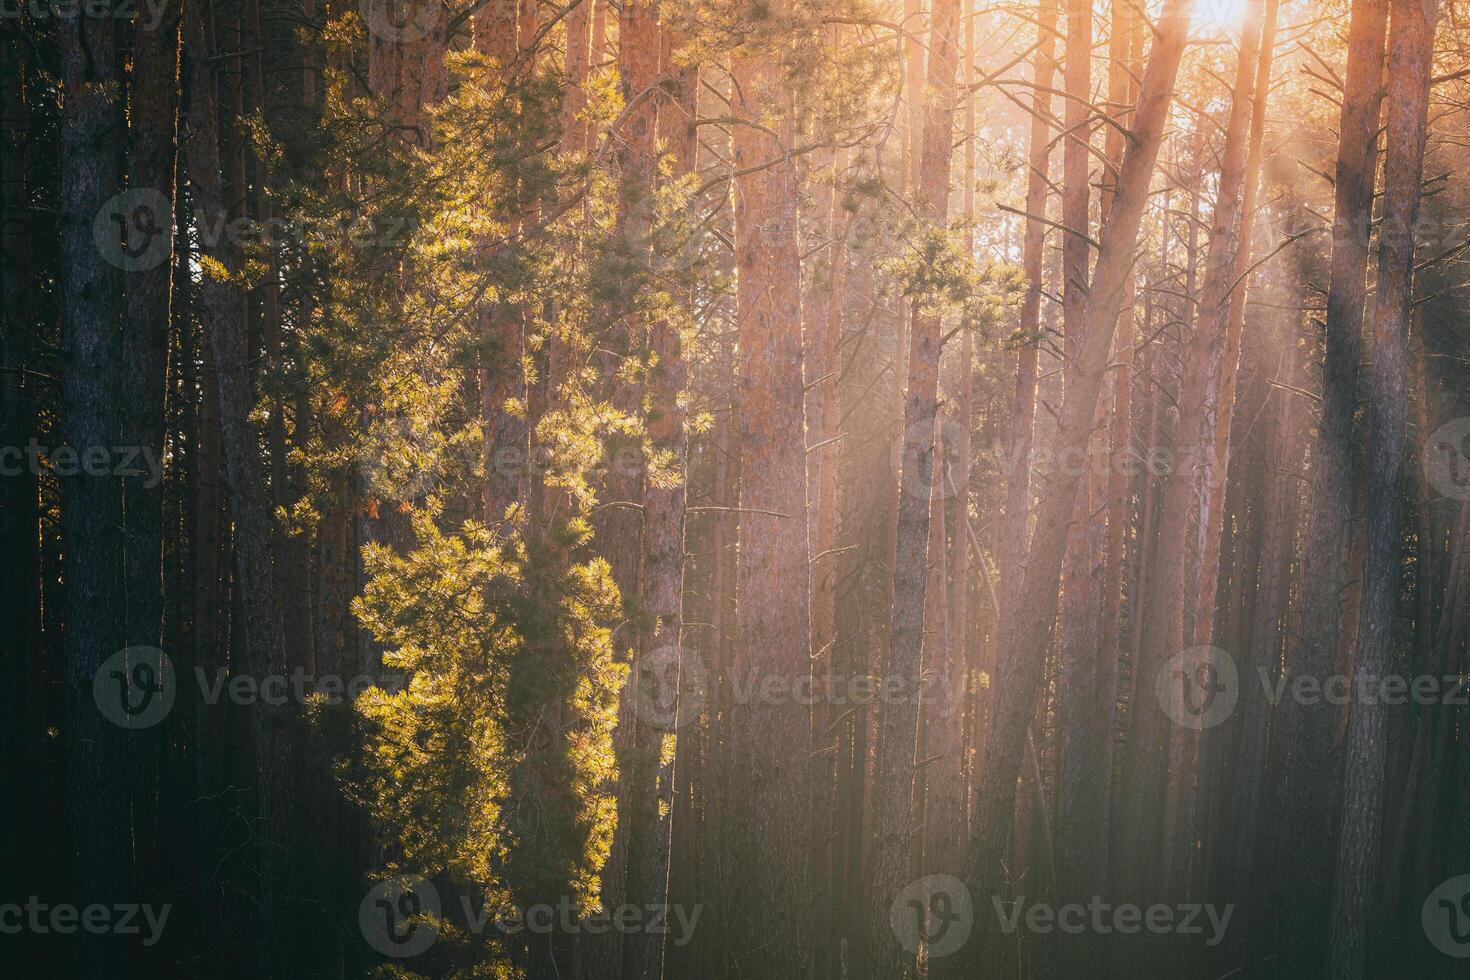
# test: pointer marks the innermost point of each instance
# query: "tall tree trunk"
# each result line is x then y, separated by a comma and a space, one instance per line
91, 308
19, 511
619, 521
1082, 782
152, 152
1312, 730
1027, 636
770, 743
893, 787
1023, 406
1410, 63
1224, 410
1202, 354
662, 583
249, 506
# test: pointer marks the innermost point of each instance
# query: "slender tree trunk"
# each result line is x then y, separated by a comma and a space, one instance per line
619, 522
152, 150
1310, 834
1410, 64
91, 301
770, 918
1027, 636
1023, 408
1224, 409
19, 511
662, 585
1202, 355
898, 734
249, 506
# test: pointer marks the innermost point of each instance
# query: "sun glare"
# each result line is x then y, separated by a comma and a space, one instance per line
1215, 17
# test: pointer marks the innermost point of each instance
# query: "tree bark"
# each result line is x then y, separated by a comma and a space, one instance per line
1410, 64
249, 505
770, 743
899, 723
1311, 733
91, 308
1023, 405
1027, 637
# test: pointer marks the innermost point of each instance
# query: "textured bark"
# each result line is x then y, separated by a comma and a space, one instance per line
1027, 636
949, 792
1410, 64
1192, 446
619, 519
152, 152
19, 512
1023, 404
1082, 780
249, 507
1312, 732
899, 723
770, 743
662, 579
823, 339
91, 301
1224, 407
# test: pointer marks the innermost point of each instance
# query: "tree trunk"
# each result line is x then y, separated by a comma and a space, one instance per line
1310, 835
770, 742
249, 506
1224, 409
1023, 408
91, 506
20, 604
662, 586
898, 734
1027, 636
1411, 61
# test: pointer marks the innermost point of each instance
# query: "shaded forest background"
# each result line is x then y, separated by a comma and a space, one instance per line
735, 488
